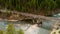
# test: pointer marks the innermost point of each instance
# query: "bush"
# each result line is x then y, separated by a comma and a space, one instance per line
1, 32
20, 31
11, 30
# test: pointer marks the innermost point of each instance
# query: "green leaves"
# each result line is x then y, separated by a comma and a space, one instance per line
58, 3
20, 31
10, 29
1, 32
30, 5
48, 4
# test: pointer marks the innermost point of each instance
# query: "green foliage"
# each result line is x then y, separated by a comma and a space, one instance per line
32, 2
1, 32
53, 4
20, 31
48, 4
0, 1
58, 3
10, 29
26, 5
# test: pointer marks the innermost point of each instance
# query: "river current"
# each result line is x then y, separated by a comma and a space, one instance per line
26, 27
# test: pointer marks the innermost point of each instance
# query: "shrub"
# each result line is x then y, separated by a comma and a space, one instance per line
20, 31
1, 32
10, 29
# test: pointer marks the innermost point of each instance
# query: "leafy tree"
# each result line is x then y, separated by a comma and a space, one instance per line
53, 4
58, 3
48, 4
0, 1
30, 5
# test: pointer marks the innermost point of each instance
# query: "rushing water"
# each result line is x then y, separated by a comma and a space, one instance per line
27, 28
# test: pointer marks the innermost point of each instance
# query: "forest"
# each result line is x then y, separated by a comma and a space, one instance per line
30, 5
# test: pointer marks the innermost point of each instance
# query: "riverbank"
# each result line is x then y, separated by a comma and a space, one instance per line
10, 16
15, 15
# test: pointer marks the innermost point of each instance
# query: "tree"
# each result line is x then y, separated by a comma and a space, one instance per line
58, 3
48, 4
53, 4
32, 3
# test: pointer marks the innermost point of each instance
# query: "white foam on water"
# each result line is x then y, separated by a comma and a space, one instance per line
34, 29
28, 28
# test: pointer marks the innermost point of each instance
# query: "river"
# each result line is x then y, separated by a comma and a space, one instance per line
27, 27
30, 28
